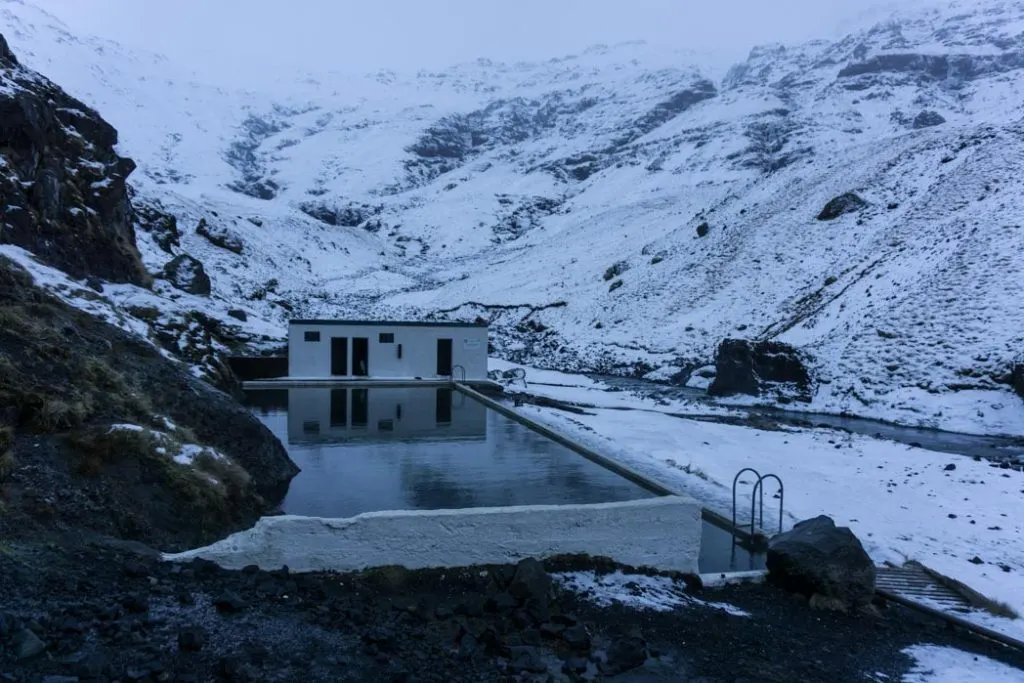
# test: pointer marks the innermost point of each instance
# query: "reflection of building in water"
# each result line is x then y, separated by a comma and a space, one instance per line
323, 415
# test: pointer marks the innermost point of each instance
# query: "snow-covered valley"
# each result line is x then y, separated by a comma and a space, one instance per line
620, 210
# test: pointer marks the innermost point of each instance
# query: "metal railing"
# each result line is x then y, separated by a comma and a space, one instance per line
757, 497
460, 368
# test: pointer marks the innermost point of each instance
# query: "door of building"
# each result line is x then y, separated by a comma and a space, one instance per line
444, 357
360, 356
339, 356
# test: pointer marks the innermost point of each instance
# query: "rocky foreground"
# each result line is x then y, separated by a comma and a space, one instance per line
99, 610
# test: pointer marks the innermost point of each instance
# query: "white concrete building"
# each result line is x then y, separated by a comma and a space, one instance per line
368, 350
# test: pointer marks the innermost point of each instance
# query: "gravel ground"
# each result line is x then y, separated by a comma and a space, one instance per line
76, 610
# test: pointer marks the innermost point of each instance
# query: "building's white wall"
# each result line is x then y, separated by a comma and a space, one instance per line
661, 533
419, 350
416, 418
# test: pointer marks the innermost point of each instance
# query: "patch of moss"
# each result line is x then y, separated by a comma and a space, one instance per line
148, 313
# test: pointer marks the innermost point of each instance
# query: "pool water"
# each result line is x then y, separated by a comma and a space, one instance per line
421, 448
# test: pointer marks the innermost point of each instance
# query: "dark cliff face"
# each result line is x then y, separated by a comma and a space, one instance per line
62, 186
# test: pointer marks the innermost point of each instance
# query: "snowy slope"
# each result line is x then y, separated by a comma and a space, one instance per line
522, 187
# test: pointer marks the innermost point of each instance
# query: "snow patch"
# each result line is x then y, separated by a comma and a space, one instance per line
657, 593
937, 664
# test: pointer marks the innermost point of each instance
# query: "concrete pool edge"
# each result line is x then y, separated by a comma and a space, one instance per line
659, 533
744, 537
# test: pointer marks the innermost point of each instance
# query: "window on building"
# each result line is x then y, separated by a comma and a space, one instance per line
312, 335
386, 338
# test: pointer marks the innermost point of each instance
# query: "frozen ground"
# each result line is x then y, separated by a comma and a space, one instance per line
949, 665
904, 503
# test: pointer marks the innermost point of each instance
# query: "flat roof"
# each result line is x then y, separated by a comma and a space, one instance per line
387, 323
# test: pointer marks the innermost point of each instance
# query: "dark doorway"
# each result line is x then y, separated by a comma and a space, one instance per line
339, 407
339, 355
360, 356
444, 357
443, 407
360, 407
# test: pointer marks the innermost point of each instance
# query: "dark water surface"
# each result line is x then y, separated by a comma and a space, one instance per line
421, 448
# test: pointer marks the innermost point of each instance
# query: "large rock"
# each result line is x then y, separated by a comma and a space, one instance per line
220, 236
1017, 378
823, 562
760, 368
187, 274
928, 119
62, 193
843, 204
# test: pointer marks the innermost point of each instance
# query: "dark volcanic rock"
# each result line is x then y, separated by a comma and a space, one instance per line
163, 226
928, 119
26, 645
63, 194
187, 274
759, 368
1017, 378
125, 483
817, 558
843, 204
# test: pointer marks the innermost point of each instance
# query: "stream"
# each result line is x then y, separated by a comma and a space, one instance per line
994, 448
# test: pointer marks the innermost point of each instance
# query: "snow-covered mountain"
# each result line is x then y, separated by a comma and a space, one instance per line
618, 210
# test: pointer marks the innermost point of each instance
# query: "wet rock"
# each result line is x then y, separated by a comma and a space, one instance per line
760, 368
574, 665
703, 229
531, 582
90, 665
928, 119
238, 314
230, 602
27, 645
577, 637
843, 204
624, 654
191, 639
818, 558
187, 274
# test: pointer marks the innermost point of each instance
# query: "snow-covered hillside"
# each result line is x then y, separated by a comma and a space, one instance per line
620, 208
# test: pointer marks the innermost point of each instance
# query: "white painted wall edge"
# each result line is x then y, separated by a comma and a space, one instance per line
661, 533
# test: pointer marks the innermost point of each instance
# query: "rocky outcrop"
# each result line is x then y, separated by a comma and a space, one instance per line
841, 205
153, 219
187, 274
928, 119
824, 562
219, 236
761, 368
62, 186
98, 416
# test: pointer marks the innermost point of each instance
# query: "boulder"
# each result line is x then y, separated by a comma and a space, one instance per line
1017, 378
760, 368
219, 236
843, 204
823, 562
187, 274
928, 119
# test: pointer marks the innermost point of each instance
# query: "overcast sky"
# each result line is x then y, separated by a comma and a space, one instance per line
366, 35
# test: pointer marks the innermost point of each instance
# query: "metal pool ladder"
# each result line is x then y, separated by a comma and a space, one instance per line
463, 373
756, 499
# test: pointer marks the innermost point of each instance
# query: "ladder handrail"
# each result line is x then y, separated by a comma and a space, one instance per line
758, 488
735, 481
460, 368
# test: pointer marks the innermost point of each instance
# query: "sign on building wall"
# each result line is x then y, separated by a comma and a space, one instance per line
471, 343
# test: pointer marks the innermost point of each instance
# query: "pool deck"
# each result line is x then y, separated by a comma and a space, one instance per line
297, 382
